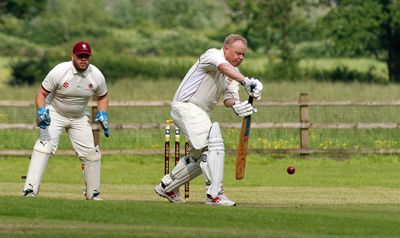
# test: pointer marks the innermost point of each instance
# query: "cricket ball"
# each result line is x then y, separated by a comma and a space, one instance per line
291, 170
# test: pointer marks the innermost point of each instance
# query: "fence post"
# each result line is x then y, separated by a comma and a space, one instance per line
304, 118
96, 129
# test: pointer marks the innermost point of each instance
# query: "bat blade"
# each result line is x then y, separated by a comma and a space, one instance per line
241, 153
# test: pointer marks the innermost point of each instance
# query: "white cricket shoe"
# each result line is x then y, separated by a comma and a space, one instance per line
171, 196
96, 197
220, 200
28, 193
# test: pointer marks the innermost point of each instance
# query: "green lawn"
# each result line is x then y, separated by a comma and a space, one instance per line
326, 197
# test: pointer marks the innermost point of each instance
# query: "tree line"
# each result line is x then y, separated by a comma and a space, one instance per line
282, 31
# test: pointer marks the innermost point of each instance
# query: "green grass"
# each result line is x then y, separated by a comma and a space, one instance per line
357, 197
328, 196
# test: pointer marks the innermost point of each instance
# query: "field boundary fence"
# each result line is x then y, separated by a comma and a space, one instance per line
311, 124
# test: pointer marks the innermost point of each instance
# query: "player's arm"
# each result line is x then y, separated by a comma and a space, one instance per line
102, 103
102, 115
253, 86
231, 72
40, 99
42, 114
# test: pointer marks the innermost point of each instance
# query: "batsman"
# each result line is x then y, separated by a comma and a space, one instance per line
215, 74
61, 104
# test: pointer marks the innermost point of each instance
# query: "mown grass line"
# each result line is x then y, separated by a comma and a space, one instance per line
160, 219
357, 197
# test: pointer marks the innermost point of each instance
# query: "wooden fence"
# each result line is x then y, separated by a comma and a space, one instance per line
303, 125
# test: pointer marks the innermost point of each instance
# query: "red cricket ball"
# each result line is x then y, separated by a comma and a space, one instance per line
291, 170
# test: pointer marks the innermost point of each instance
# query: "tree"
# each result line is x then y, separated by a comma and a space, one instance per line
270, 26
362, 27
23, 9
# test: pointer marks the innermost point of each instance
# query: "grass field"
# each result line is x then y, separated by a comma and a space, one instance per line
357, 197
329, 196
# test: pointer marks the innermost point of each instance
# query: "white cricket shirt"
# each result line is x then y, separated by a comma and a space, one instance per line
204, 83
71, 90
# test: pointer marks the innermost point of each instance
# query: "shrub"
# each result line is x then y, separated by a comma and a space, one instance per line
29, 71
129, 66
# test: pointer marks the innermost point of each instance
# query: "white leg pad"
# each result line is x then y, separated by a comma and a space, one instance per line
186, 170
205, 169
37, 166
213, 163
92, 173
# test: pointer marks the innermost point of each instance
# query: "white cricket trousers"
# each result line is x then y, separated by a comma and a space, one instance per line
79, 131
194, 123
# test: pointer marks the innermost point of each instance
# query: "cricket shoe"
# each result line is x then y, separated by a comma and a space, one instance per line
220, 200
28, 193
97, 198
171, 196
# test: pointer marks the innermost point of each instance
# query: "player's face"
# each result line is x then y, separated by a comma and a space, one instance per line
81, 62
235, 52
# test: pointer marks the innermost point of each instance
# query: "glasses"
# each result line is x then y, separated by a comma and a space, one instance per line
81, 56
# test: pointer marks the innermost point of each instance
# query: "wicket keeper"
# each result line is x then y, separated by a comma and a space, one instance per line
61, 104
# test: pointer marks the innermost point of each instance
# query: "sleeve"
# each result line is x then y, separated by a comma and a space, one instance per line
212, 58
50, 82
102, 88
232, 90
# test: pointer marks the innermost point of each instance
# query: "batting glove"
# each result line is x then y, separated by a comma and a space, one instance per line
103, 118
253, 87
243, 109
42, 117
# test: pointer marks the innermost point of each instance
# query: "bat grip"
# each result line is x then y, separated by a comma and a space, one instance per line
251, 100
250, 97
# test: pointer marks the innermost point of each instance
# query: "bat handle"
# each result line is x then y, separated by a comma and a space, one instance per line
251, 100
250, 97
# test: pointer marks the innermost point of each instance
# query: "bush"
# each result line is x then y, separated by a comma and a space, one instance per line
14, 46
344, 74
29, 71
130, 66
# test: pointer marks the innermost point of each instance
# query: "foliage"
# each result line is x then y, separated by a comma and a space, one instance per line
29, 71
12, 46
367, 27
177, 42
182, 13
355, 22
344, 74
273, 27
24, 9
130, 66
282, 31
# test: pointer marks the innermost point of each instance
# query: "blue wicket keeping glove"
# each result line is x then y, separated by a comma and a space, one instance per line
42, 117
103, 118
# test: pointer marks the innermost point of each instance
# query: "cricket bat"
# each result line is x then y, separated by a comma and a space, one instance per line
241, 152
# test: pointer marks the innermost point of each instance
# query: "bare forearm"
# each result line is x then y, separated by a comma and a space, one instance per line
231, 72
102, 104
40, 99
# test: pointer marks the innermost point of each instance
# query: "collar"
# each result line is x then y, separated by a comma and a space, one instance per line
75, 71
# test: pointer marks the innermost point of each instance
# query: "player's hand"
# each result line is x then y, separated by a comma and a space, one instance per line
42, 117
253, 87
243, 109
102, 117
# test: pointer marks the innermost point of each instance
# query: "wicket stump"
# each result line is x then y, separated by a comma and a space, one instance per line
167, 134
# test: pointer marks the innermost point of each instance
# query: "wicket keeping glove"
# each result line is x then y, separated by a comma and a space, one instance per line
253, 87
42, 117
102, 117
243, 109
